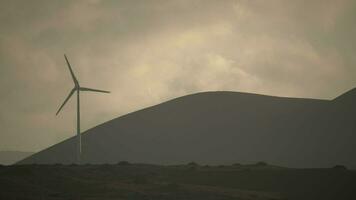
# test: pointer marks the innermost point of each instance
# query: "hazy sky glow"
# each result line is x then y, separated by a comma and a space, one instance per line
146, 52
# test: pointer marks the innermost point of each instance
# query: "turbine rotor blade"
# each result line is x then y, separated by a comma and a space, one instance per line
71, 71
92, 90
65, 101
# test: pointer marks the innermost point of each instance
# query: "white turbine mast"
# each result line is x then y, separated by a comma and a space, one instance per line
77, 88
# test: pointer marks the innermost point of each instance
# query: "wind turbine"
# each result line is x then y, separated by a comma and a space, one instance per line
77, 88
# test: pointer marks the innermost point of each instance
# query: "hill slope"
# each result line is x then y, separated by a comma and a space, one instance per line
11, 157
222, 127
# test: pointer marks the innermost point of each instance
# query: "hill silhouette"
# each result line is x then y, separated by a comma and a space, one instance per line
11, 157
222, 127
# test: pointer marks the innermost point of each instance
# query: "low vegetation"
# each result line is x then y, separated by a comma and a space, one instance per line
140, 181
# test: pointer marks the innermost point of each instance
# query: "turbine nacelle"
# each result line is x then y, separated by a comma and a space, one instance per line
77, 87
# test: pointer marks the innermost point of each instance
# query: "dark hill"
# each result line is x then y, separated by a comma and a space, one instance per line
347, 96
223, 127
11, 157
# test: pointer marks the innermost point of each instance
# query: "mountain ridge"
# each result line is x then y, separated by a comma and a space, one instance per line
208, 127
350, 94
11, 157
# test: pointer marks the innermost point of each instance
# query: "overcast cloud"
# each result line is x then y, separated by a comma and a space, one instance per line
147, 52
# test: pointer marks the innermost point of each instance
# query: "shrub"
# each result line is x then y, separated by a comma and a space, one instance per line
192, 164
192, 168
340, 167
58, 164
123, 163
261, 164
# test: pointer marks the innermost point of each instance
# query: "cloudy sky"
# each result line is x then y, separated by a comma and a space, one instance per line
147, 52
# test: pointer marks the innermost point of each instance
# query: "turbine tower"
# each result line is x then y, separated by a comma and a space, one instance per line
77, 88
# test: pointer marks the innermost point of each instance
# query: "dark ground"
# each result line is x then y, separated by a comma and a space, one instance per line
186, 182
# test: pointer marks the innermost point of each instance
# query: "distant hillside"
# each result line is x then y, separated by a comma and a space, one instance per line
223, 127
11, 157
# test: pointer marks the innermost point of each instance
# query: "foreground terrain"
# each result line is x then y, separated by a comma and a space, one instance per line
140, 181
